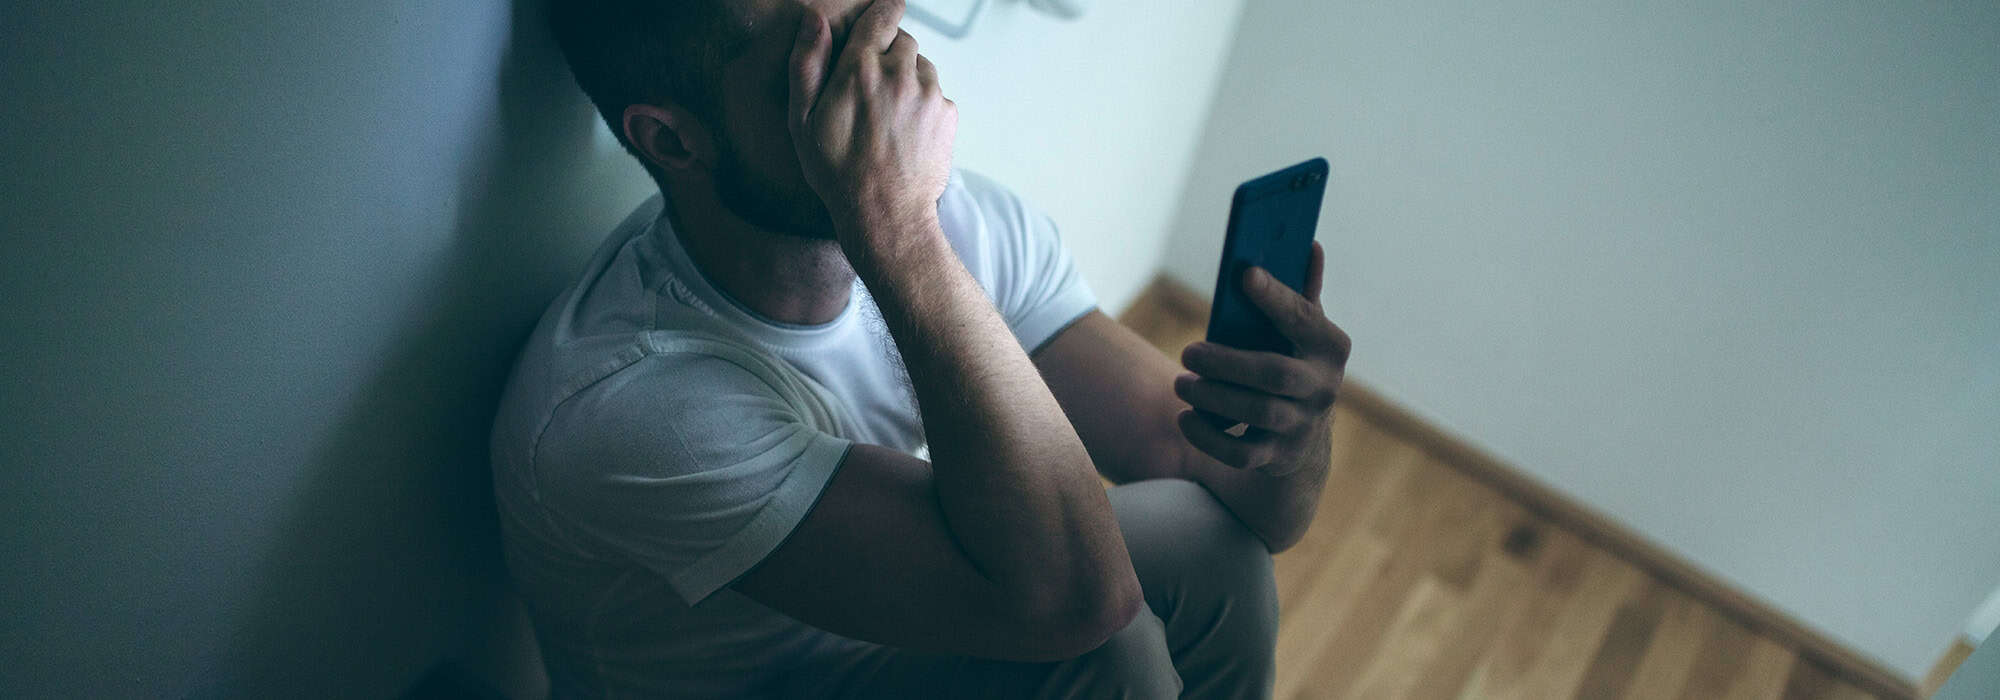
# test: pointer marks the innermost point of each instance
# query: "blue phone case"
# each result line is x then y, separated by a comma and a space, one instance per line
1272, 220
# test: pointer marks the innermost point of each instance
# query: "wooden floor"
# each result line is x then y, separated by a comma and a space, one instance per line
1416, 581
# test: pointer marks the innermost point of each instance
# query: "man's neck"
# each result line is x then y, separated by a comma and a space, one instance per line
785, 278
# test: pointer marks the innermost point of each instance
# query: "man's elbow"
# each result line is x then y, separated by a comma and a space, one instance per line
1074, 629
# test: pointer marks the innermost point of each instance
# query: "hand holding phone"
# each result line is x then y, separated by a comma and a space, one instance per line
1264, 383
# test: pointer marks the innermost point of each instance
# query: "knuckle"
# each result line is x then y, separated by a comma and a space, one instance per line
1296, 378
1323, 398
1246, 410
1309, 383
1291, 417
1303, 309
1275, 376
1268, 377
1271, 414
1265, 298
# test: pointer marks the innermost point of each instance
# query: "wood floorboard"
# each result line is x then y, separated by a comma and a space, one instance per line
1581, 628
1430, 602
1351, 646
1490, 605
1662, 670
1311, 624
1848, 691
1415, 636
1721, 657
1808, 681
1418, 582
1617, 659
1360, 463
1764, 672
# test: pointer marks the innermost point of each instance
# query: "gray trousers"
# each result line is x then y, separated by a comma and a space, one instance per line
1209, 632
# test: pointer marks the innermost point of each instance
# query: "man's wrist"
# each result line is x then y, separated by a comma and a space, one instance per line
891, 243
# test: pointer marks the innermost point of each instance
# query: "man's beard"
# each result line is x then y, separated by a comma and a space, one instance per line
789, 210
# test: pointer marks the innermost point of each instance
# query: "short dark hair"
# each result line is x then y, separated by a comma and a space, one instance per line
627, 52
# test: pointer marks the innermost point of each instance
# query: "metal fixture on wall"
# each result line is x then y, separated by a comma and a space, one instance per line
1066, 9
954, 18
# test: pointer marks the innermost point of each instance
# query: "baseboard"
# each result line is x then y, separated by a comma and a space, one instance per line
1946, 665
1167, 302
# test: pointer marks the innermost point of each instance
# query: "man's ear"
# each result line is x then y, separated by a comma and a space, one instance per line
671, 137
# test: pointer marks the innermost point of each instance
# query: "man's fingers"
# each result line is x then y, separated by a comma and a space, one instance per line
809, 58
927, 74
1254, 408
1295, 316
1342, 345
1316, 273
902, 51
1268, 372
1254, 449
876, 29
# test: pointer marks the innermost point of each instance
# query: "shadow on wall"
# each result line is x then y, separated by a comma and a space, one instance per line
394, 539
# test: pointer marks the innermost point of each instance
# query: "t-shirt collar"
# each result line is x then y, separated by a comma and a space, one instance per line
682, 268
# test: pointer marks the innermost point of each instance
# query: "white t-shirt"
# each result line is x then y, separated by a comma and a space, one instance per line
657, 439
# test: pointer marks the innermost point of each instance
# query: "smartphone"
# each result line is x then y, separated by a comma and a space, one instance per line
1272, 220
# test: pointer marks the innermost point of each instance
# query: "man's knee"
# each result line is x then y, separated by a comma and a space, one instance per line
1178, 526
1196, 553
1134, 663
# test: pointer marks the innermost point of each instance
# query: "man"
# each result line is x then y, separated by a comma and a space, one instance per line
710, 456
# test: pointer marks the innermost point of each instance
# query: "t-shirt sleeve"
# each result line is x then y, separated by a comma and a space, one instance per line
1034, 284
693, 466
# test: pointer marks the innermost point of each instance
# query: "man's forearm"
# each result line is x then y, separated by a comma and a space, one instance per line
1014, 481
1118, 390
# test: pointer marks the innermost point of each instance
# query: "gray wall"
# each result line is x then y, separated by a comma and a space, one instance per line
1727, 271
1978, 678
264, 265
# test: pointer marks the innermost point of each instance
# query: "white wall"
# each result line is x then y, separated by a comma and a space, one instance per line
1729, 272
1984, 620
266, 264
1094, 121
